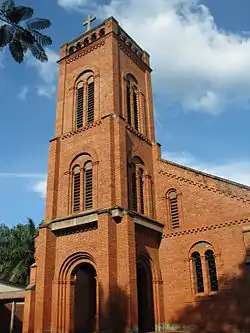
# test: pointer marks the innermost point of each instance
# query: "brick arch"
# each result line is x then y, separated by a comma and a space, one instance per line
72, 262
92, 68
127, 74
90, 152
202, 246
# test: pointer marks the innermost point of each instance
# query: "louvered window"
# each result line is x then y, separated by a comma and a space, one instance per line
134, 191
135, 101
209, 256
128, 104
174, 212
141, 190
198, 275
91, 100
76, 188
88, 186
79, 105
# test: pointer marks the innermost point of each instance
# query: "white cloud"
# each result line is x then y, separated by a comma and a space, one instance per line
72, 4
23, 93
37, 181
40, 188
196, 64
21, 175
238, 171
47, 72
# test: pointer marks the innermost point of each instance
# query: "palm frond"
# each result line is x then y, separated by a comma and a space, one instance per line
42, 39
25, 12
16, 50
38, 24
38, 52
6, 34
19, 13
7, 5
26, 36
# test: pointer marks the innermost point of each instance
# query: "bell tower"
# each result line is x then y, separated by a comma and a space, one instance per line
99, 189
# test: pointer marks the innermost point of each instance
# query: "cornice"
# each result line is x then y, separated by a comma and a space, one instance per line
205, 187
133, 56
80, 130
83, 52
137, 133
206, 228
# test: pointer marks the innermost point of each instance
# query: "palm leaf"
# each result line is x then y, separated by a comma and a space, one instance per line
25, 12
19, 13
16, 50
6, 34
7, 5
38, 52
26, 36
42, 39
38, 24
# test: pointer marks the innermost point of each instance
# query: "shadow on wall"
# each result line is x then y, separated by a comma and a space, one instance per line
114, 312
228, 310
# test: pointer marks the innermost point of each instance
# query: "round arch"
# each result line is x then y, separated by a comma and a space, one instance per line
202, 246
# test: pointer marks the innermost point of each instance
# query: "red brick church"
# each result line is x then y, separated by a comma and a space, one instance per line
131, 242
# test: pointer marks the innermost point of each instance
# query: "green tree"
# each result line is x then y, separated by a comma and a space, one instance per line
17, 248
21, 32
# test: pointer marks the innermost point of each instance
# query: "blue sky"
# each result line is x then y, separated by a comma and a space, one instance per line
200, 54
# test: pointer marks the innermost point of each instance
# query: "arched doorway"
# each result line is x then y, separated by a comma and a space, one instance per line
146, 320
84, 305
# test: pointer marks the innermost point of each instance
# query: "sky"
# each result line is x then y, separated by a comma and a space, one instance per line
200, 56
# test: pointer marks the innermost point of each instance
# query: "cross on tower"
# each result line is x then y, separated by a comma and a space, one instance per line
88, 22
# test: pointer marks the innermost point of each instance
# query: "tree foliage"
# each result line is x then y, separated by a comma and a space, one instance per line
17, 248
21, 32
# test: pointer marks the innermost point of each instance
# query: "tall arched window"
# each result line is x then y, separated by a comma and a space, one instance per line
132, 102
173, 209
82, 184
79, 105
85, 99
128, 102
88, 197
135, 104
198, 275
141, 191
76, 188
134, 188
91, 100
211, 268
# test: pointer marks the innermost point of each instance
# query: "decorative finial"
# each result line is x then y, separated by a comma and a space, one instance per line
88, 22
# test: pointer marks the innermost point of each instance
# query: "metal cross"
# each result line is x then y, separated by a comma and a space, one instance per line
88, 22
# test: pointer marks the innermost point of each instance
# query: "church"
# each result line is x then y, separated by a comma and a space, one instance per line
131, 242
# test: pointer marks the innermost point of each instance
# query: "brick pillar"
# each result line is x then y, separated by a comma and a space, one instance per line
28, 314
45, 254
126, 256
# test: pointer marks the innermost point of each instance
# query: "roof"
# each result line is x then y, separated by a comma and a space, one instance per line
202, 173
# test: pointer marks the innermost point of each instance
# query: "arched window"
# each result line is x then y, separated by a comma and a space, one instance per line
85, 99
198, 275
79, 105
141, 190
135, 104
134, 188
76, 188
91, 100
211, 268
128, 103
173, 209
132, 102
88, 187
82, 184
